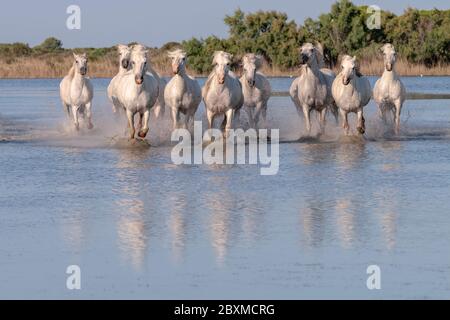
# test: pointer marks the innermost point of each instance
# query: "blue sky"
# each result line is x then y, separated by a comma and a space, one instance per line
106, 23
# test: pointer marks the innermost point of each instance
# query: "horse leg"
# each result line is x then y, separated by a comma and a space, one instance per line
224, 123
89, 115
186, 121
175, 113
68, 110
229, 116
382, 113
251, 121
158, 110
344, 116
237, 117
323, 120
144, 124
335, 111
306, 113
398, 110
210, 118
361, 122
75, 117
130, 116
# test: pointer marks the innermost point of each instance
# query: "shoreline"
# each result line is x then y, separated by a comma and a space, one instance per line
205, 76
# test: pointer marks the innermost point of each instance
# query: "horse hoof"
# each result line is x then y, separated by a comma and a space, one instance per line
90, 126
361, 130
142, 133
77, 127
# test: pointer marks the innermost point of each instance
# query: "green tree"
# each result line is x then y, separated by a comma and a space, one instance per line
49, 45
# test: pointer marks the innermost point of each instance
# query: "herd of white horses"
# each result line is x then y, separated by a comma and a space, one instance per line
138, 89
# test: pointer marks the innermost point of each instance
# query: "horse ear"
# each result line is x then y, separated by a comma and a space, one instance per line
75, 55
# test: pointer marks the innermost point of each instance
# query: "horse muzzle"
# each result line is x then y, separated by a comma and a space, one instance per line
139, 80
389, 67
221, 80
125, 63
304, 59
83, 71
251, 83
345, 81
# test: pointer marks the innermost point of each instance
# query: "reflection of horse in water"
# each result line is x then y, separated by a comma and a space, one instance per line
313, 220
131, 222
177, 203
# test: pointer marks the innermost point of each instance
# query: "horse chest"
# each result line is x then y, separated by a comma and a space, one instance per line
220, 100
313, 94
79, 94
252, 96
186, 100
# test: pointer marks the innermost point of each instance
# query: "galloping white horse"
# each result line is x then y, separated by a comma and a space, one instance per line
138, 90
124, 66
222, 92
312, 89
255, 88
182, 94
351, 92
389, 92
76, 91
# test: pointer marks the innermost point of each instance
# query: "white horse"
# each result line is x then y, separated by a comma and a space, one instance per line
312, 89
222, 92
76, 91
138, 90
389, 92
124, 66
255, 88
182, 94
351, 92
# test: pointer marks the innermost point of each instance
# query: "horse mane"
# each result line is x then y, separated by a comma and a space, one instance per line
319, 55
253, 58
71, 73
208, 83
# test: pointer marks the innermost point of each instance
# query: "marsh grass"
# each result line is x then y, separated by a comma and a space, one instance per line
57, 66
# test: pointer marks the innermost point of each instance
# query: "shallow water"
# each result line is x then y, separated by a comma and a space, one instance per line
142, 227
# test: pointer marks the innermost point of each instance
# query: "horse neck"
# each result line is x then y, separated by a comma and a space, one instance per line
389, 75
77, 77
215, 83
183, 73
313, 68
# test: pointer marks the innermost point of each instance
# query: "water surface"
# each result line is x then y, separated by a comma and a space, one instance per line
142, 227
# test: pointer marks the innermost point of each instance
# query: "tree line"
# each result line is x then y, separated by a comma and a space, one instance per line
420, 36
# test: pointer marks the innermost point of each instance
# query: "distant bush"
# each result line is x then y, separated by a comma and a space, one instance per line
15, 49
49, 45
